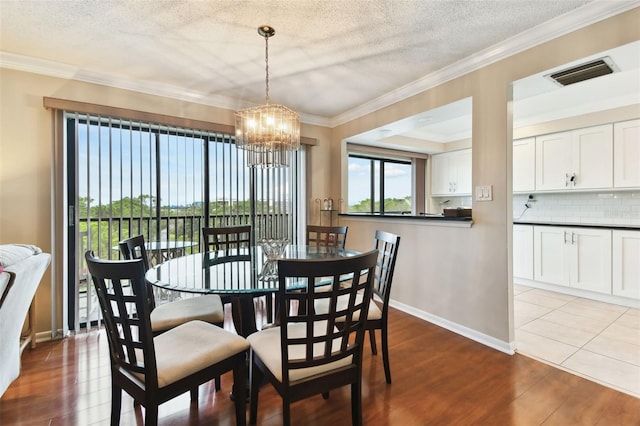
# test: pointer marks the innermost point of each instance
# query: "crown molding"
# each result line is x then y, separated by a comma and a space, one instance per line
591, 13
68, 72
584, 16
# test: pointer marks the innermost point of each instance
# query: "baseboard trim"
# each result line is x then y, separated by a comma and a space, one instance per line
585, 294
46, 336
497, 344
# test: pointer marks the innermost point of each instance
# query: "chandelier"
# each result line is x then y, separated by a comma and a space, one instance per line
269, 133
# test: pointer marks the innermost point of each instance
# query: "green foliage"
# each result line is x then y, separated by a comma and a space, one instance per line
141, 206
105, 225
391, 205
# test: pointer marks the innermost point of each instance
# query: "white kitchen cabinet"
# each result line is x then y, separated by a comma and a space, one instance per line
626, 154
575, 257
626, 263
440, 181
524, 165
451, 173
550, 260
523, 251
579, 159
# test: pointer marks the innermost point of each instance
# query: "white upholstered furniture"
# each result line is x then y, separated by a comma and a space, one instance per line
23, 267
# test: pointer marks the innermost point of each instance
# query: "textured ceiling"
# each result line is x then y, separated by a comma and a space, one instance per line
327, 57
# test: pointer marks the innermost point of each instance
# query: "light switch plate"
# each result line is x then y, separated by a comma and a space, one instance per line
484, 193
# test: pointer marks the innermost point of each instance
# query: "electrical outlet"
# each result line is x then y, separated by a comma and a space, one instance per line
484, 193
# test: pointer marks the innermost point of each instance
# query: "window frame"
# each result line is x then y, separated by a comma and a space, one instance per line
381, 180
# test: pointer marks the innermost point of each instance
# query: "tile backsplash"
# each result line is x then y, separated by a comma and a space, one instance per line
597, 208
451, 202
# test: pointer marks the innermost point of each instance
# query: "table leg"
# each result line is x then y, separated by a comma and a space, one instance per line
243, 313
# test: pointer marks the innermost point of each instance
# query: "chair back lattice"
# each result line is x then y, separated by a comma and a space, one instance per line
327, 236
312, 339
387, 245
134, 248
226, 238
122, 293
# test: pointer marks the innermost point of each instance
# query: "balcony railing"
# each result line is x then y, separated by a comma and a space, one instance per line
103, 234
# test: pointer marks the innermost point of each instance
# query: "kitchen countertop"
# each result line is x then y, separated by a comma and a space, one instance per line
579, 225
421, 220
426, 216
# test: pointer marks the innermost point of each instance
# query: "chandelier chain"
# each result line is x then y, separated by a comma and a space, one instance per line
266, 62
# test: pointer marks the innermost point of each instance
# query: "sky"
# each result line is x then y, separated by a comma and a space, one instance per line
121, 163
397, 180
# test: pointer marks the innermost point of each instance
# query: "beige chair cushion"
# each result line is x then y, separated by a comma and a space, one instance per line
206, 308
322, 306
192, 346
266, 344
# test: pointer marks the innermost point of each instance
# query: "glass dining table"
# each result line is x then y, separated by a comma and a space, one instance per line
234, 275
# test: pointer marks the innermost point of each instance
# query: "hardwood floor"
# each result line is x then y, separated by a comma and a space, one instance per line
439, 378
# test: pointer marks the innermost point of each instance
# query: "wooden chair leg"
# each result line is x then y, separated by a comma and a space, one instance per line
286, 412
151, 415
194, 394
240, 389
385, 354
256, 381
372, 339
116, 404
356, 403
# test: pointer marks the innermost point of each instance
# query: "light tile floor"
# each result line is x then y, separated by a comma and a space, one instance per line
595, 340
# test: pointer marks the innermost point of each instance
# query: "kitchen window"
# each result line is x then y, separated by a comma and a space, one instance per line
380, 185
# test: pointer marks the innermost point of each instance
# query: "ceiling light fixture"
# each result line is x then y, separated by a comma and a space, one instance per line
269, 133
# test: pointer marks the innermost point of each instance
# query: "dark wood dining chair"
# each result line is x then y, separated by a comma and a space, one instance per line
378, 316
206, 308
226, 237
229, 238
306, 355
156, 369
327, 236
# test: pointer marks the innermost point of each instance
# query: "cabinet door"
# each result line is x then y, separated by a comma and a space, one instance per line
591, 259
553, 161
523, 251
462, 172
626, 154
626, 263
592, 157
549, 255
440, 169
524, 160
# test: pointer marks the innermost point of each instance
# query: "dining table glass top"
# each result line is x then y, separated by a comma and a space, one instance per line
232, 272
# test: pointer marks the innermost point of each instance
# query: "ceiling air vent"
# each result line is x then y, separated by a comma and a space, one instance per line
583, 72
